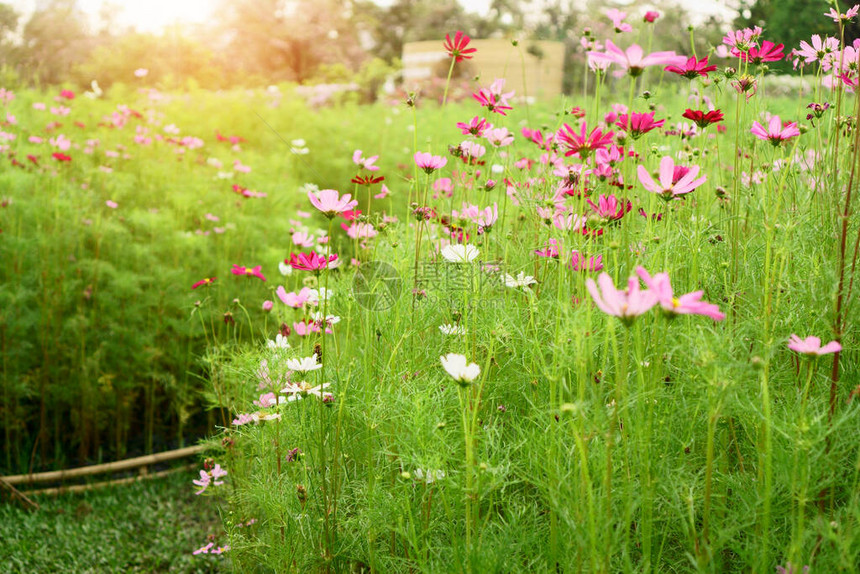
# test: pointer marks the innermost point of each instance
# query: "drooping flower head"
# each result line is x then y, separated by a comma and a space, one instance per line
493, 98
617, 17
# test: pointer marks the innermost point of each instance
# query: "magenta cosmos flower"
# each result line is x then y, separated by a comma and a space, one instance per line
692, 68
254, 272
627, 304
457, 49
429, 162
768, 52
775, 133
330, 202
666, 187
207, 281
634, 59
811, 346
637, 124
650, 16
493, 98
581, 144
689, 304
310, 261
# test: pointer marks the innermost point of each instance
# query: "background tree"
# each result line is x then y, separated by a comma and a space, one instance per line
55, 39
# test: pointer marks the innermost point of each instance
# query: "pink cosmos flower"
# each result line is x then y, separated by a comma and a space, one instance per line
295, 300
493, 98
383, 192
609, 207
578, 262
365, 163
268, 306
634, 59
692, 68
330, 202
819, 50
456, 48
651, 16
254, 272
203, 549
499, 137
775, 132
580, 144
359, 230
429, 162
310, 262
617, 17
637, 124
550, 251
61, 142
837, 17
627, 304
689, 304
665, 187
111, 203
811, 346
266, 400
742, 40
302, 239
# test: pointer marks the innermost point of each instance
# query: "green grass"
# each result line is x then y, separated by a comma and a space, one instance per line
149, 526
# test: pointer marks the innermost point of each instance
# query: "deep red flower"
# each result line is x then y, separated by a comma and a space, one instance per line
703, 119
768, 52
59, 156
207, 281
456, 48
651, 16
692, 68
366, 179
33, 159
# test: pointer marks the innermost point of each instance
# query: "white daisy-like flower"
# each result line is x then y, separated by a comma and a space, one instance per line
430, 476
460, 253
304, 365
284, 269
298, 391
452, 329
280, 342
330, 319
317, 295
456, 366
521, 280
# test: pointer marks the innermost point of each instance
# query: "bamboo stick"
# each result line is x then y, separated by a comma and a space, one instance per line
19, 495
75, 488
104, 468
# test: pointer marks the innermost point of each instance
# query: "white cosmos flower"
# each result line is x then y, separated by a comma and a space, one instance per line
280, 342
459, 370
521, 280
304, 365
317, 295
285, 269
297, 391
452, 329
330, 319
460, 253
429, 476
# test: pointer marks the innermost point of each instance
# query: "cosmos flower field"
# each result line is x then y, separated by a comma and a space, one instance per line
616, 333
